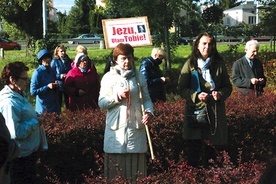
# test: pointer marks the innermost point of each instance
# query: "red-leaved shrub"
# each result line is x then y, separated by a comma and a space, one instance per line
75, 139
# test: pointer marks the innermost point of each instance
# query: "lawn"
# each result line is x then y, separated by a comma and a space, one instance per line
99, 56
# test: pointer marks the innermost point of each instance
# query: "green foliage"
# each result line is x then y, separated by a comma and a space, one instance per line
26, 15
160, 25
95, 17
213, 15
4, 34
227, 4
12, 31
61, 24
78, 20
268, 19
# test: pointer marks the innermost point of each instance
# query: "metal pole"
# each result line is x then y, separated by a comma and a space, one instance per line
44, 17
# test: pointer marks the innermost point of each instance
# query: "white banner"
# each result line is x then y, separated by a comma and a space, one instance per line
134, 31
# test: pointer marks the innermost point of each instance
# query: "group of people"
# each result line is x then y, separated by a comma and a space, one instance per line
55, 80
127, 95
120, 94
214, 88
76, 82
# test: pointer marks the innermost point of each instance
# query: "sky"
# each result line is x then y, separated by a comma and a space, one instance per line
63, 5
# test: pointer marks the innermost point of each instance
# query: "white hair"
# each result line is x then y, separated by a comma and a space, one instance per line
251, 42
158, 51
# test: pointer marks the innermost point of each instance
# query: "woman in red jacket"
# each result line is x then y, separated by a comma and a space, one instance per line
82, 84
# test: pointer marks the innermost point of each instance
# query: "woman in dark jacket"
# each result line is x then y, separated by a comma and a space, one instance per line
214, 89
153, 74
61, 63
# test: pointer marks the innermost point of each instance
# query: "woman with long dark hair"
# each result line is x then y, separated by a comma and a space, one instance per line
213, 87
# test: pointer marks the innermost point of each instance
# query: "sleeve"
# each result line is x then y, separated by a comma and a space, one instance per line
69, 84
238, 77
261, 75
4, 150
184, 87
225, 88
18, 129
4, 141
55, 68
145, 70
8, 147
146, 97
108, 95
35, 88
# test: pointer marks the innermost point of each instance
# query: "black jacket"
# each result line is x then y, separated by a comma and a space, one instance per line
153, 75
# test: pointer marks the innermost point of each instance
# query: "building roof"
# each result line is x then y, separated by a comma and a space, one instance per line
248, 6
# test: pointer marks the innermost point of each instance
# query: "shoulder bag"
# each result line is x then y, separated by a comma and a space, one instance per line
199, 118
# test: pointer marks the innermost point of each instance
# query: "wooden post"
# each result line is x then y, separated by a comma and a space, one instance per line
2, 53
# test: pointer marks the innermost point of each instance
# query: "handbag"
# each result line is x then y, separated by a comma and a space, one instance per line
198, 118
43, 139
201, 119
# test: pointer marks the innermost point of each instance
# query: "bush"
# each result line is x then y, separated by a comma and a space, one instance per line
75, 152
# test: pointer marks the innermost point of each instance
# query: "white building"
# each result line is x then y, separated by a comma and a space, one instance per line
246, 13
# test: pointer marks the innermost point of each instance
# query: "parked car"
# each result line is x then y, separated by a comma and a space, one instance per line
183, 41
9, 45
85, 38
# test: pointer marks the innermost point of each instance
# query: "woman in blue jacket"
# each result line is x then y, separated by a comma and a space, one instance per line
44, 85
21, 121
154, 76
61, 63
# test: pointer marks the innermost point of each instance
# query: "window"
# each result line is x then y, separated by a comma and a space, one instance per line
251, 20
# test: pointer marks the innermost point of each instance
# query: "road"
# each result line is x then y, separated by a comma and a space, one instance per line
23, 46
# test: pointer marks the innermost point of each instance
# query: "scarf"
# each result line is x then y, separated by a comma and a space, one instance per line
125, 73
83, 70
204, 67
63, 59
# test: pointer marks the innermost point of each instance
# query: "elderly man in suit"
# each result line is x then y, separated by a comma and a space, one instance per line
247, 72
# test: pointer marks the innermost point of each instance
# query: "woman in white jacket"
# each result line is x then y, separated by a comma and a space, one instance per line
125, 142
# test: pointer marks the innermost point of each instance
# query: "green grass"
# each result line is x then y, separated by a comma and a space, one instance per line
99, 56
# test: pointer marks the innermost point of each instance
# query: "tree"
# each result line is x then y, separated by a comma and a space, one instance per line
11, 31
227, 4
96, 17
212, 16
25, 14
61, 23
78, 20
161, 15
268, 19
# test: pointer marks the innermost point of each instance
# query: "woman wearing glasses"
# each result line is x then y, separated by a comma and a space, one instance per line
22, 122
82, 84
